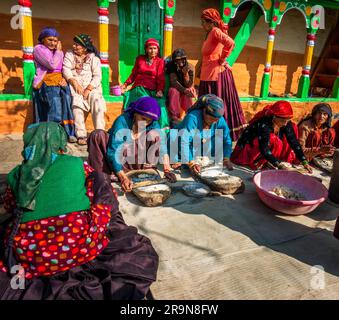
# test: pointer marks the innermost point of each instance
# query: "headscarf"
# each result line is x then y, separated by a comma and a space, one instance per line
47, 32
177, 54
42, 142
86, 41
146, 106
152, 42
281, 109
323, 107
213, 15
213, 105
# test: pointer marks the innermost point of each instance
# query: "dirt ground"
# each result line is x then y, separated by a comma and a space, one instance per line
228, 247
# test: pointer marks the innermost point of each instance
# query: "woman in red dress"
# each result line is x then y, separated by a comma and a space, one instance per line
148, 80
270, 139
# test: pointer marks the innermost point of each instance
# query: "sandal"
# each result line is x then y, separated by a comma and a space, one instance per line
82, 141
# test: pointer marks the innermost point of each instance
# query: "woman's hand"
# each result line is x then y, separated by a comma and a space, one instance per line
126, 184
123, 88
190, 92
228, 164
185, 70
87, 92
195, 168
159, 94
308, 167
63, 82
327, 150
59, 46
170, 176
77, 87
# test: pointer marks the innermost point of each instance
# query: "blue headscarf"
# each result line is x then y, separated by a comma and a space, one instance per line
47, 32
213, 105
146, 106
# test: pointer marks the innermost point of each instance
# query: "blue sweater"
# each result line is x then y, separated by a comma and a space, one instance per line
193, 122
119, 135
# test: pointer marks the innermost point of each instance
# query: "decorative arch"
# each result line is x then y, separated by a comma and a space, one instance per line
305, 10
230, 8
254, 1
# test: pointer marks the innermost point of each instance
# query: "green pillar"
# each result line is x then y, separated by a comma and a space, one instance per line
244, 33
265, 83
103, 22
29, 72
304, 81
335, 91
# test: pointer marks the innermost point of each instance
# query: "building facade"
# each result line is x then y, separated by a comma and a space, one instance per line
283, 48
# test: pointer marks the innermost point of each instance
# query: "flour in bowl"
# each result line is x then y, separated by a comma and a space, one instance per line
287, 193
214, 173
154, 188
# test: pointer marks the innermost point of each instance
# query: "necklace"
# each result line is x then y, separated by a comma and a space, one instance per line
149, 61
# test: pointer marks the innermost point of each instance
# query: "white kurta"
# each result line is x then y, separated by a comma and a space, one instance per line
90, 75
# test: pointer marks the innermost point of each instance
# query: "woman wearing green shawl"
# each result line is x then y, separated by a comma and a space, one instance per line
65, 219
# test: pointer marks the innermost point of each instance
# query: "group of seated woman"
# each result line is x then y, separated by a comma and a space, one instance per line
270, 141
66, 88
148, 77
65, 230
273, 139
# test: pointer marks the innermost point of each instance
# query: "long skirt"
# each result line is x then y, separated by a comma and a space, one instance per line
178, 104
226, 90
54, 103
124, 270
250, 154
138, 92
317, 139
97, 153
336, 129
336, 229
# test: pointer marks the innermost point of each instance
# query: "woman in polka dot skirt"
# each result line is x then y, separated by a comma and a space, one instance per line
66, 231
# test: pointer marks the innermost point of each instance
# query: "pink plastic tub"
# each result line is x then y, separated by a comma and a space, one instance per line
116, 90
313, 190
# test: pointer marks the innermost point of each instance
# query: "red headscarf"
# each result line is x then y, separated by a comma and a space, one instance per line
214, 15
281, 109
152, 42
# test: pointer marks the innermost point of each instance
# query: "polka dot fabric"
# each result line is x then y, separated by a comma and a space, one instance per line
48, 246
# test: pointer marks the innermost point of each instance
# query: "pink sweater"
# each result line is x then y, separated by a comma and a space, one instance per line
216, 48
46, 61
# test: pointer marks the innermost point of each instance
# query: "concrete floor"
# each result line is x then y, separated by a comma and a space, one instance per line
229, 247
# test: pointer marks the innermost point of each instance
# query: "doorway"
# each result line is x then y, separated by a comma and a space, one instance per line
139, 20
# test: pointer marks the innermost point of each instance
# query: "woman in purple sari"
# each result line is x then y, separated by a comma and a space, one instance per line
51, 94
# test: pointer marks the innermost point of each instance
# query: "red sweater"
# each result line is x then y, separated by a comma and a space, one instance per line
150, 77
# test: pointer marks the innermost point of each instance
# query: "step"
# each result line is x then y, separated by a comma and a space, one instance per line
335, 51
325, 80
331, 65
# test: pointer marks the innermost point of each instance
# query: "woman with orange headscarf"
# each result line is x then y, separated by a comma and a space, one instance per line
215, 75
148, 79
270, 139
